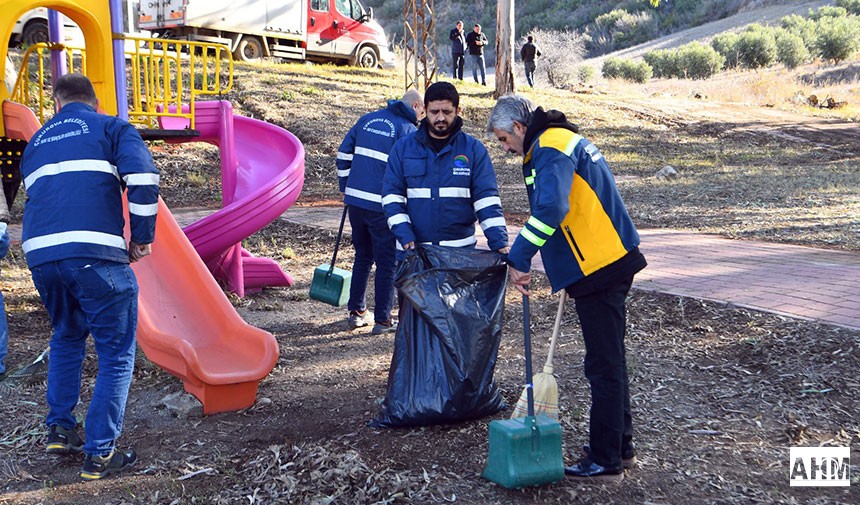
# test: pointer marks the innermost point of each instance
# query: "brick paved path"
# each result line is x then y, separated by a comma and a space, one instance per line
801, 282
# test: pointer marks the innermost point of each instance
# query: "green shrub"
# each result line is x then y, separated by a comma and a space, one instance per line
617, 68
790, 50
727, 45
619, 29
802, 27
837, 39
611, 68
756, 47
664, 63
697, 61
852, 6
585, 73
637, 72
828, 11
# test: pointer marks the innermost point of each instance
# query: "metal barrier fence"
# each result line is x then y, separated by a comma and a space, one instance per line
165, 77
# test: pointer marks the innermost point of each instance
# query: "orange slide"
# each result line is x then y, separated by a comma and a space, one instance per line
186, 325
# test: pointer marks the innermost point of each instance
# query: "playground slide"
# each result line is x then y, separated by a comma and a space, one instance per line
262, 172
186, 325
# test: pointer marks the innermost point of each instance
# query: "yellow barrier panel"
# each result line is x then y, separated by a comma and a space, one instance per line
165, 77
23, 93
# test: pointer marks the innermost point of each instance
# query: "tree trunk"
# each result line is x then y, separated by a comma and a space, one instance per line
505, 49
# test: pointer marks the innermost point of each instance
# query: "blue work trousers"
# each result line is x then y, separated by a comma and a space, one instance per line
88, 296
602, 316
478, 65
374, 243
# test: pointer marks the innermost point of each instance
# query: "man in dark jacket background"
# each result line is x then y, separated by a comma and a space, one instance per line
476, 40
590, 248
529, 53
458, 49
361, 162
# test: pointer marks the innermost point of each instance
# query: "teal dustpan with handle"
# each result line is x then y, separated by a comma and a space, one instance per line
331, 284
525, 451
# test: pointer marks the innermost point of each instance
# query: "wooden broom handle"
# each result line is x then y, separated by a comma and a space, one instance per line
562, 297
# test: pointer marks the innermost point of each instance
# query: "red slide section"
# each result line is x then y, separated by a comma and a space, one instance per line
186, 325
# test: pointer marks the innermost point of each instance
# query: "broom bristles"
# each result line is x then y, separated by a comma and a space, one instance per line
545, 397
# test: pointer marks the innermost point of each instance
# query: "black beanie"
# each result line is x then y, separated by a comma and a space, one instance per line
442, 91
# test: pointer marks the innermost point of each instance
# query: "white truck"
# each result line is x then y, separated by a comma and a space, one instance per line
315, 30
32, 28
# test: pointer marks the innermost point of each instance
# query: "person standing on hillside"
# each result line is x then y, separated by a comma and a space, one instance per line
476, 40
75, 170
529, 53
590, 248
361, 162
458, 49
440, 180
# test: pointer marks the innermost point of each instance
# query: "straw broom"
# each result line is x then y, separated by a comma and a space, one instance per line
544, 384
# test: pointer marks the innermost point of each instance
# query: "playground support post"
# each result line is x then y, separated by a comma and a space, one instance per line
116, 26
55, 35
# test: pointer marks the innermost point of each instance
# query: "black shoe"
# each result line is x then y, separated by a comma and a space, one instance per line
99, 467
62, 441
589, 471
628, 456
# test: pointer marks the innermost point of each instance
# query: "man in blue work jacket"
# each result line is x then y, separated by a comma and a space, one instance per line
440, 181
361, 161
75, 169
589, 247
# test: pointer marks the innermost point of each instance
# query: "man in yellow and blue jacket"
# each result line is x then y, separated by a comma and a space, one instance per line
589, 248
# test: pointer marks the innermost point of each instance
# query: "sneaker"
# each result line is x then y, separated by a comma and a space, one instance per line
589, 471
62, 441
628, 456
357, 319
99, 467
384, 327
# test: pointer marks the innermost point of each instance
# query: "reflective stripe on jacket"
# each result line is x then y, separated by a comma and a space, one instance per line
435, 198
578, 221
363, 154
75, 169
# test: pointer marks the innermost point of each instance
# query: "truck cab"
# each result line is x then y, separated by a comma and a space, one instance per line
339, 28
316, 30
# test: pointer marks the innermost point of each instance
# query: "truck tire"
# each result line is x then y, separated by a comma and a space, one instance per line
249, 49
367, 58
36, 31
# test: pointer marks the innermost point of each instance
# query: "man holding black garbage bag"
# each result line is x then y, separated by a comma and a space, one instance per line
439, 182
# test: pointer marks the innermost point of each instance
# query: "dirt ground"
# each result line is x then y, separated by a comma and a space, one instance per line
719, 394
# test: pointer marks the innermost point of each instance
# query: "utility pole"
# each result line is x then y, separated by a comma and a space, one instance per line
419, 44
505, 48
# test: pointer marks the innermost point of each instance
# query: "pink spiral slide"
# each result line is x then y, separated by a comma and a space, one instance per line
262, 173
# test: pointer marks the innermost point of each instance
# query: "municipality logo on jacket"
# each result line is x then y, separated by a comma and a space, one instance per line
461, 165
820, 466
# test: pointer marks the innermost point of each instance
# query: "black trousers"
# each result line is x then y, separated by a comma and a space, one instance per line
459, 63
603, 317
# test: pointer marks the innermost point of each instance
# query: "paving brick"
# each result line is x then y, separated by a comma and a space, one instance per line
791, 280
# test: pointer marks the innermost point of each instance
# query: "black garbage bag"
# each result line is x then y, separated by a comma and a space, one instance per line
451, 305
